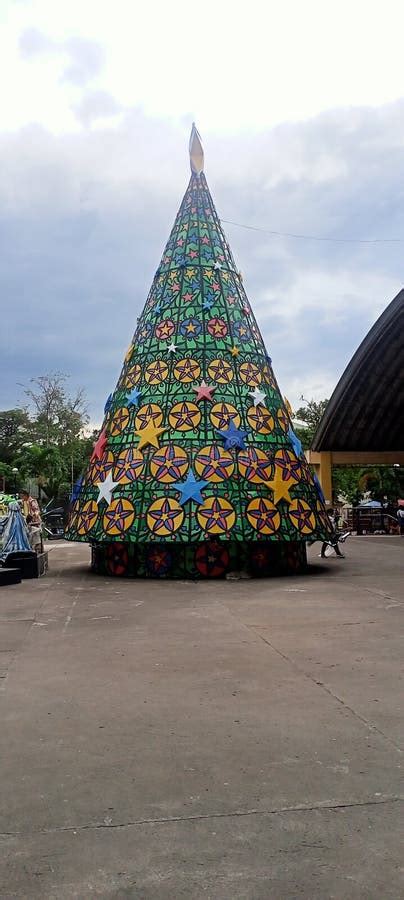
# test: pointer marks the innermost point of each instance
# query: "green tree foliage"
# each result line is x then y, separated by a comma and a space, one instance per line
46, 441
59, 418
15, 428
346, 483
350, 482
308, 418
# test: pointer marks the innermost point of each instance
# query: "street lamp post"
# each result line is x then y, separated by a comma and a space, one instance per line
15, 473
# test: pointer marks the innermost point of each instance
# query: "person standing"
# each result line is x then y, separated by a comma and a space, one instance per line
32, 515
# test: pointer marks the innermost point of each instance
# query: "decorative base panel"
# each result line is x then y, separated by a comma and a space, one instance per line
212, 559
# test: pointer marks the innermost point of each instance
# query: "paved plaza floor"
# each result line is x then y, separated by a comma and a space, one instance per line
235, 740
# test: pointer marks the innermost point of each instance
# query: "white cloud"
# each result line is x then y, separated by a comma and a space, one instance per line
233, 67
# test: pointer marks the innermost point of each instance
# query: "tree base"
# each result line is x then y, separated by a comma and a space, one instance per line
210, 559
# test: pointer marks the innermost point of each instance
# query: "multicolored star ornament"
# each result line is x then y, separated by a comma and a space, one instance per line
204, 391
295, 441
150, 435
100, 445
190, 489
108, 404
280, 488
258, 396
133, 398
232, 436
105, 488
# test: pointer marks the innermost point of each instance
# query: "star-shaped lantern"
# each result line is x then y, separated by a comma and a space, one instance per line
105, 488
258, 396
295, 441
99, 445
108, 404
190, 489
232, 436
133, 398
204, 391
280, 488
150, 435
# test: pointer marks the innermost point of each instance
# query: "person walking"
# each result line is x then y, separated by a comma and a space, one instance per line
333, 541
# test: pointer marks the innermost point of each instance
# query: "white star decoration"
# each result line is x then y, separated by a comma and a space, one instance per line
172, 348
105, 488
257, 395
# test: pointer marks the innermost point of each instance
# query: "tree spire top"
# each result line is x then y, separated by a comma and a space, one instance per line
195, 151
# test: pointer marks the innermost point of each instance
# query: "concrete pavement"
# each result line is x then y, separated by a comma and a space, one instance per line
212, 740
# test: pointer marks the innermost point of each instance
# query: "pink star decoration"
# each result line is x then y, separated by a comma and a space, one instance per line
204, 391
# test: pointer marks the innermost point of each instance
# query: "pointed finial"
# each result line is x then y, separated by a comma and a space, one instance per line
195, 151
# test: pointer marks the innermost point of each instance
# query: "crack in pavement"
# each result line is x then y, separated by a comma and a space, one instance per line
362, 719
331, 693
325, 805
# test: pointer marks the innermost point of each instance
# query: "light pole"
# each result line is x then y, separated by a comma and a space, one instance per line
15, 473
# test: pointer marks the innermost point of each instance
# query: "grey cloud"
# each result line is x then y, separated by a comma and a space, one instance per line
86, 57
96, 105
87, 60
35, 43
84, 219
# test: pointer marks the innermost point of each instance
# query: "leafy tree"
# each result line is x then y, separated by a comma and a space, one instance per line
59, 419
45, 464
15, 429
310, 416
346, 483
46, 441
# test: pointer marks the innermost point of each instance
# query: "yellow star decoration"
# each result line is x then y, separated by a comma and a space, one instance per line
288, 407
150, 435
234, 351
280, 488
131, 349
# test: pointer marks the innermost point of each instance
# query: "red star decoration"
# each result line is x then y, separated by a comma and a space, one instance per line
99, 445
187, 297
205, 239
204, 391
180, 242
216, 286
193, 254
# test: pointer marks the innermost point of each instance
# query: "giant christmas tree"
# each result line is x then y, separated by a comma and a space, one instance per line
197, 470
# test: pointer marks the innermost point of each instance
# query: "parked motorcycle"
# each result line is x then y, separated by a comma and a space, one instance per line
52, 522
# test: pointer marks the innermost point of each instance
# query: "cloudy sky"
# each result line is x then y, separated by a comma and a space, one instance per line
301, 108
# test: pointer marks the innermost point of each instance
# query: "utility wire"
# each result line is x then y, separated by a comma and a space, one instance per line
313, 237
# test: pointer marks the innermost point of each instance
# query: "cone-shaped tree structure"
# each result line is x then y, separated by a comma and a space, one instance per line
197, 468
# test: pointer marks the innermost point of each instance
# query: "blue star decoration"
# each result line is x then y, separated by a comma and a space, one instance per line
233, 437
190, 489
133, 398
294, 440
76, 489
108, 404
207, 304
